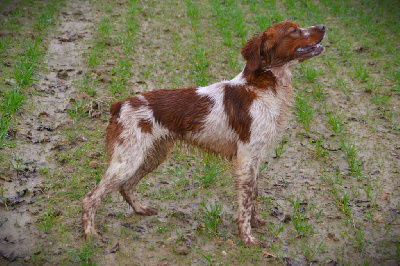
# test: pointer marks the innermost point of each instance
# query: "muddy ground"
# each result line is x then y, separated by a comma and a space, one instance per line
39, 132
56, 151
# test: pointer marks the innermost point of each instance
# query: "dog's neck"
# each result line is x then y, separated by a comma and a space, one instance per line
270, 78
283, 74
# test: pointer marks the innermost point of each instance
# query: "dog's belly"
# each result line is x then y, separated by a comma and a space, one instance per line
224, 147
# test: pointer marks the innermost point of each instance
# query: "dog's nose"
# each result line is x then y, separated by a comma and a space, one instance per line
320, 27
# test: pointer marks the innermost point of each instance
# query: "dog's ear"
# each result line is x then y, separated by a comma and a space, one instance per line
251, 53
262, 43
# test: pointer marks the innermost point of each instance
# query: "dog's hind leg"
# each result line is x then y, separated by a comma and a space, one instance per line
94, 198
127, 162
160, 151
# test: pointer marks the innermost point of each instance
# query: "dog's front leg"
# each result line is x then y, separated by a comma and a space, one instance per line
246, 181
256, 219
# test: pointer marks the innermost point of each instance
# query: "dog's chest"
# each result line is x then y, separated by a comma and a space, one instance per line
269, 113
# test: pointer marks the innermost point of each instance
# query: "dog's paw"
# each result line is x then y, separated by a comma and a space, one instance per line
96, 239
147, 211
250, 240
257, 221
261, 244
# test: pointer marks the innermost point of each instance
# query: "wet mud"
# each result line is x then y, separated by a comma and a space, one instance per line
40, 133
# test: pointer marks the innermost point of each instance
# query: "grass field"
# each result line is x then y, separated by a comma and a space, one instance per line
330, 191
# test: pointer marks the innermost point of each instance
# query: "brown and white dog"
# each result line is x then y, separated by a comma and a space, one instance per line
239, 119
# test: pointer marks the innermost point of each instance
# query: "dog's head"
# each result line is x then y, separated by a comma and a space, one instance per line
282, 43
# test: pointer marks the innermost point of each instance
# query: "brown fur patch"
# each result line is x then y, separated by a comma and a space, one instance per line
115, 128
180, 111
135, 102
262, 80
146, 126
251, 52
237, 102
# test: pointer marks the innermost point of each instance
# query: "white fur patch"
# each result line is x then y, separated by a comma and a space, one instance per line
238, 80
305, 32
284, 73
130, 155
265, 112
216, 130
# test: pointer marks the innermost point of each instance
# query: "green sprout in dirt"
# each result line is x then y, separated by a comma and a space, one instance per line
4, 127
351, 158
397, 255
317, 91
349, 148
178, 172
336, 122
344, 49
309, 73
161, 229
382, 102
342, 201
371, 87
361, 73
359, 241
77, 111
45, 18
368, 188
263, 167
319, 150
206, 257
121, 74
210, 172
298, 218
300, 224
355, 166
211, 218
332, 177
310, 251
389, 225
84, 255
343, 86
86, 85
230, 23
303, 111
200, 63
280, 149
102, 33
47, 220
2, 198
17, 163
12, 100
276, 229
25, 67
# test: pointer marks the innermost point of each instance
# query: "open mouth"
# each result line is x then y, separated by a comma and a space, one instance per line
315, 48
